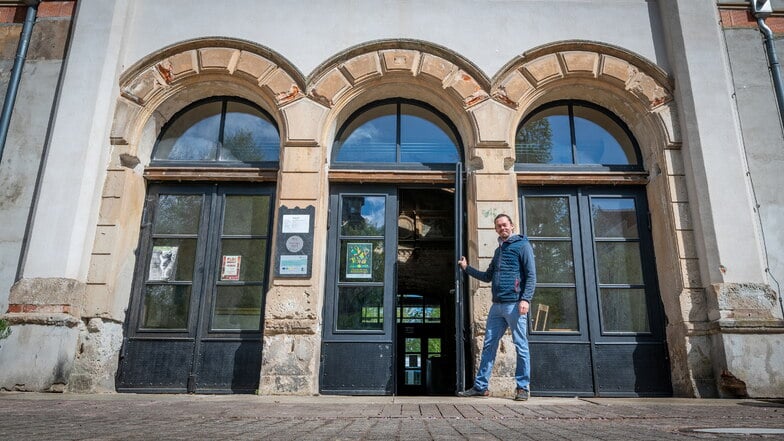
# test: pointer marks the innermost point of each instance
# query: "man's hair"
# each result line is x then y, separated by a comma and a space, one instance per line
503, 215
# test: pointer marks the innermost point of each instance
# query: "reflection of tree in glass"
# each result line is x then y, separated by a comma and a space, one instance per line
351, 304
533, 143
242, 146
353, 223
177, 214
434, 345
547, 217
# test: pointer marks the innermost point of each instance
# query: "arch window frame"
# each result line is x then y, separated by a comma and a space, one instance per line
340, 137
157, 165
633, 168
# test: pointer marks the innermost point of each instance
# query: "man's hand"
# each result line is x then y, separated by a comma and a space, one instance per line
523, 307
462, 262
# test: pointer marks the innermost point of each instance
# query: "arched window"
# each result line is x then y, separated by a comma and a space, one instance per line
575, 134
397, 134
223, 131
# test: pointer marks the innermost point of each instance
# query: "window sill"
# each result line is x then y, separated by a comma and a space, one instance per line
200, 174
579, 178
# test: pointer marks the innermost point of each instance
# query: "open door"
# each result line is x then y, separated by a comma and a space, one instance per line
459, 294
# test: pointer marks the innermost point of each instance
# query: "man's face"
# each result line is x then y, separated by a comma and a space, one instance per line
504, 227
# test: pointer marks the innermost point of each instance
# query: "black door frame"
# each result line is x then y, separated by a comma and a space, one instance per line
201, 302
384, 344
604, 348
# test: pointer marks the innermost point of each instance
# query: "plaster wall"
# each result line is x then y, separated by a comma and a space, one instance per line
763, 140
21, 158
309, 32
27, 132
727, 242
45, 369
64, 225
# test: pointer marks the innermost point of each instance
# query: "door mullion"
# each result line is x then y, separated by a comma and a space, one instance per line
204, 290
591, 290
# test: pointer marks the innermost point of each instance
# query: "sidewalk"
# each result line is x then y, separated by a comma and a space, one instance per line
34, 416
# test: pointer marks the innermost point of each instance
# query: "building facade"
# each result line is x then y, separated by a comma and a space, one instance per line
255, 197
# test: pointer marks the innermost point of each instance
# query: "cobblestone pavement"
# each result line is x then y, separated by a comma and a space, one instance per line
32, 416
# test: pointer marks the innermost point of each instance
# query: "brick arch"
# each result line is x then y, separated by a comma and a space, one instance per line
197, 69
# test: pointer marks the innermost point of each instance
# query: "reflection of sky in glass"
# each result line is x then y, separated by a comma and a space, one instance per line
595, 145
194, 135
561, 141
198, 142
423, 141
373, 210
373, 141
373, 137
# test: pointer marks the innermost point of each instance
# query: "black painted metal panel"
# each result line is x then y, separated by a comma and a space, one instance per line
561, 368
229, 366
633, 370
156, 364
356, 368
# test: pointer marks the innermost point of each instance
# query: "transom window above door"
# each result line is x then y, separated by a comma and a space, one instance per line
395, 134
222, 131
577, 135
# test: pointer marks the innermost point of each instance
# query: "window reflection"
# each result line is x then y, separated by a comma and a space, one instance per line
399, 132
574, 133
219, 130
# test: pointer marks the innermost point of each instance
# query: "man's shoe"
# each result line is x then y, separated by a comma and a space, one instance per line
521, 394
473, 392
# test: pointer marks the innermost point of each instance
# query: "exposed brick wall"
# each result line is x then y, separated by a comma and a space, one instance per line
47, 9
742, 18
50, 32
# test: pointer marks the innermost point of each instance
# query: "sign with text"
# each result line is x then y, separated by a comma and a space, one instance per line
294, 242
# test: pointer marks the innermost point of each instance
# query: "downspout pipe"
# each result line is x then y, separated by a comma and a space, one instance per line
16, 72
761, 9
775, 68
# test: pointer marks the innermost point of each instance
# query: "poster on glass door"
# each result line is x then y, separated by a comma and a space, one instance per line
359, 260
230, 267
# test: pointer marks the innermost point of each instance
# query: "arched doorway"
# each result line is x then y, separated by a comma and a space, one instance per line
196, 309
597, 322
393, 299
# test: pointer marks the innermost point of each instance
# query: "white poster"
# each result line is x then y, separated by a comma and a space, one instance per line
296, 223
163, 263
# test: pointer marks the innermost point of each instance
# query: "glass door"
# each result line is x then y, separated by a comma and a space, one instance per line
358, 344
195, 318
596, 321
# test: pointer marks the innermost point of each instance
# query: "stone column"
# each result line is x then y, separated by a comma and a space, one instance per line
292, 317
746, 337
492, 189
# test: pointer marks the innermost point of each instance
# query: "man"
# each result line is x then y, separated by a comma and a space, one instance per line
513, 275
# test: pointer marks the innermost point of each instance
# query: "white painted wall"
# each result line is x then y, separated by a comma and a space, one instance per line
488, 33
64, 225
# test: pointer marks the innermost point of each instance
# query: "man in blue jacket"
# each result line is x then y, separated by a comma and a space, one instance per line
513, 275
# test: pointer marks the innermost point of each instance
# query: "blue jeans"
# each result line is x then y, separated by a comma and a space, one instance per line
501, 316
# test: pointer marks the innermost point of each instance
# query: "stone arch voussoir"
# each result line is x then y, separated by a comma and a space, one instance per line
340, 77
228, 64
636, 82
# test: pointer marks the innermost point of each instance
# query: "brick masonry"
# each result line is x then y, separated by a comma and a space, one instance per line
742, 18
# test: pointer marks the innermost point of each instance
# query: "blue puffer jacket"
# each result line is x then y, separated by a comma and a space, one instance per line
512, 271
